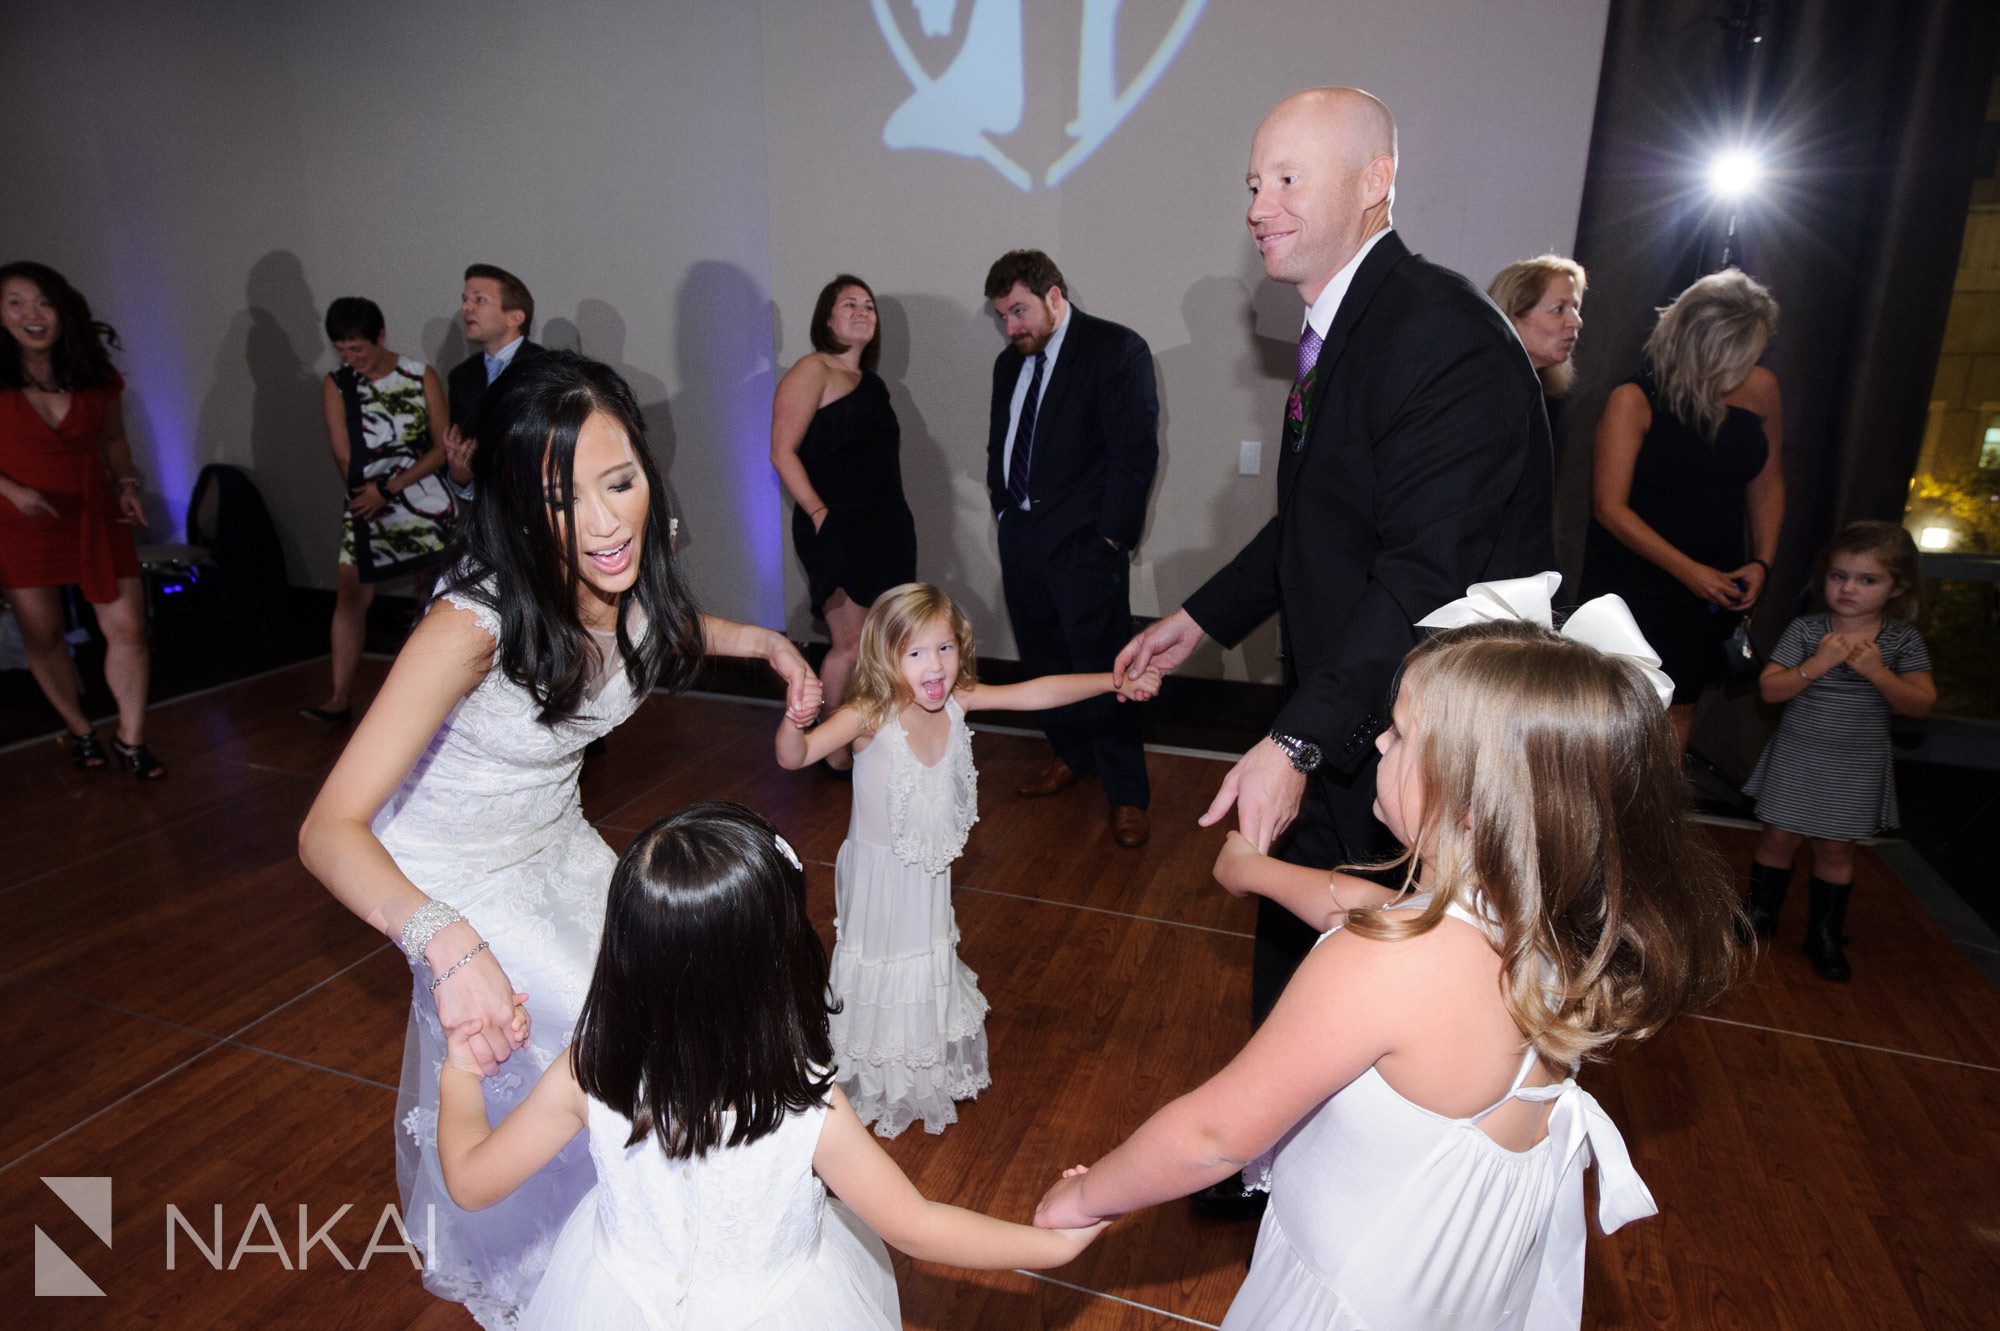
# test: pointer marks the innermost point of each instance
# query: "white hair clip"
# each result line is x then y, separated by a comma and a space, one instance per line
785, 849
1605, 622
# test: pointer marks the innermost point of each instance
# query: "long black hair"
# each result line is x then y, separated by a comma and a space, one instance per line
79, 359
706, 1019
507, 553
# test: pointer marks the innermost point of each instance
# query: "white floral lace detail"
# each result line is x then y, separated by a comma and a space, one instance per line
931, 809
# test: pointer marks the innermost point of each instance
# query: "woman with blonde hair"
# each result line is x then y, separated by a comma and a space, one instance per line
1688, 493
1543, 298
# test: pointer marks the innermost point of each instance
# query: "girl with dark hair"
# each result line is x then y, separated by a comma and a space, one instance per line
64, 520
1826, 778
382, 417
703, 1081
835, 442
452, 822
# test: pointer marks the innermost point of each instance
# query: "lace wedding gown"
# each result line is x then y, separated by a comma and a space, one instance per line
910, 1037
742, 1238
490, 821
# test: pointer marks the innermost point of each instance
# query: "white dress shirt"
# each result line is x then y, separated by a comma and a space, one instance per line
1021, 381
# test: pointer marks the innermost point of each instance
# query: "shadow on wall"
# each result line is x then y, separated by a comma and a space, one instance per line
725, 490
945, 479
276, 338
1223, 360
599, 332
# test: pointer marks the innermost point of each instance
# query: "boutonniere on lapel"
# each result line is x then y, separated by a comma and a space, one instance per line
1297, 407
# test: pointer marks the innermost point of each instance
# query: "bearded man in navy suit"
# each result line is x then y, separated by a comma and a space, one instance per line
1072, 445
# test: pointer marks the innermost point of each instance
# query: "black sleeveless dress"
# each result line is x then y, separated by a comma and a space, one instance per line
1692, 491
868, 541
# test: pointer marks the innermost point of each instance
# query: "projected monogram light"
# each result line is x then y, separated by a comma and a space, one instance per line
983, 91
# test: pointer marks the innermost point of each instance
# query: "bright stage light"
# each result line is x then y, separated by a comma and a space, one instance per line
1734, 173
1934, 538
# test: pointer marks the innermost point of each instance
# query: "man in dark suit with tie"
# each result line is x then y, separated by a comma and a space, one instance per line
497, 311
1071, 449
1414, 461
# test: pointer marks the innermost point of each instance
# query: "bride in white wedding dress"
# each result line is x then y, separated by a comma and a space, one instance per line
452, 821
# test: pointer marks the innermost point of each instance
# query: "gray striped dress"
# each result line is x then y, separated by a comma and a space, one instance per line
1826, 772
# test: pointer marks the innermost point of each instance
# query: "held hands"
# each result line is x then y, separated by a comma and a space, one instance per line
370, 500
458, 1051
1163, 645
1138, 687
130, 509
1266, 790
458, 450
802, 713
1234, 863
1062, 1208
479, 992
802, 687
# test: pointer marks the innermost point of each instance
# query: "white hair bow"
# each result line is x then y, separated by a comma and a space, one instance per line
1604, 622
785, 849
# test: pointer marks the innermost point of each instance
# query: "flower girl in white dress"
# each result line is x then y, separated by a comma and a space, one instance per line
1411, 1101
910, 1036
700, 1069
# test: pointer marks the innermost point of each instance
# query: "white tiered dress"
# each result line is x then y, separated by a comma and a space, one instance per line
910, 1037
490, 821
745, 1237
1389, 1217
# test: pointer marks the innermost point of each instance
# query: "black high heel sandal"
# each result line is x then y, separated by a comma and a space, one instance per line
85, 750
138, 760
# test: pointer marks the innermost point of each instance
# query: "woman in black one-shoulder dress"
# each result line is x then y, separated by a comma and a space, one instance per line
835, 444
1689, 494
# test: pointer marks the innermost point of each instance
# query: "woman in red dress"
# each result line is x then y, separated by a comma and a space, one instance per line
63, 519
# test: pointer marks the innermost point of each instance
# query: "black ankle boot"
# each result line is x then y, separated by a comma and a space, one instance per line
1827, 913
1768, 886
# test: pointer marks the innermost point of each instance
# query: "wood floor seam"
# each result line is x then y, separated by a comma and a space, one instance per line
1851, 1044
1116, 1298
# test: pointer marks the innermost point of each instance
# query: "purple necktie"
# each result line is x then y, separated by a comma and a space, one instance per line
1024, 437
1309, 345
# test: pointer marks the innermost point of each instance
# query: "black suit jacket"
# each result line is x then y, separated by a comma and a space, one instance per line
1096, 443
1425, 467
467, 382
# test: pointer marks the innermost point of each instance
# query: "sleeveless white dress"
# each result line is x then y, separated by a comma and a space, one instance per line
490, 821
910, 1037
744, 1237
1389, 1217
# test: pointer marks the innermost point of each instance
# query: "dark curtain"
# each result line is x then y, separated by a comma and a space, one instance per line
1868, 117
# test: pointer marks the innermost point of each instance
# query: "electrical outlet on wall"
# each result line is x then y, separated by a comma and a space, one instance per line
1250, 457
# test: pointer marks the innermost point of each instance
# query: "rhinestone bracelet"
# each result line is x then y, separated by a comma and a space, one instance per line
423, 925
455, 967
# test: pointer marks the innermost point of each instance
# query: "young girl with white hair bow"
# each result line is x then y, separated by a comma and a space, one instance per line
1411, 1101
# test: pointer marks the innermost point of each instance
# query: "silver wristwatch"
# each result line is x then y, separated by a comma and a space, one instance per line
1304, 754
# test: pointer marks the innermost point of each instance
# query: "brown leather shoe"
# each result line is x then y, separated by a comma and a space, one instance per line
1129, 826
1053, 778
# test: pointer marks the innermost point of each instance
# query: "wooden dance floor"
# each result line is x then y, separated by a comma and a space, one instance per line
189, 1015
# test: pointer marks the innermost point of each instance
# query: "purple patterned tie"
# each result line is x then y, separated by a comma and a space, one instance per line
1309, 345
1295, 405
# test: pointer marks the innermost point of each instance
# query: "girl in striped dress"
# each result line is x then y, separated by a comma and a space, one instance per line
1825, 777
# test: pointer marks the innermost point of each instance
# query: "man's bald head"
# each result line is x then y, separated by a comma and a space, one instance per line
1322, 178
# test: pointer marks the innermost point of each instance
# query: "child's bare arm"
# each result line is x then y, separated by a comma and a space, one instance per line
1911, 694
802, 748
1036, 695
482, 1164
862, 1175
1320, 897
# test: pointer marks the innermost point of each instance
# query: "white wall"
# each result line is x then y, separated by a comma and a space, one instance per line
676, 181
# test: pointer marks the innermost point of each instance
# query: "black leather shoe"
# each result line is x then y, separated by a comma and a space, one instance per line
1230, 1200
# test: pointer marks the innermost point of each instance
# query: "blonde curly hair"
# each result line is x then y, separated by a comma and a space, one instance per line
876, 687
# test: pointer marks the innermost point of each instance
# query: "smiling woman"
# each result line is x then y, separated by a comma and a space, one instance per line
452, 822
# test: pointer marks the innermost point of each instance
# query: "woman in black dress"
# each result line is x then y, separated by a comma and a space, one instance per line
834, 441
1688, 493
